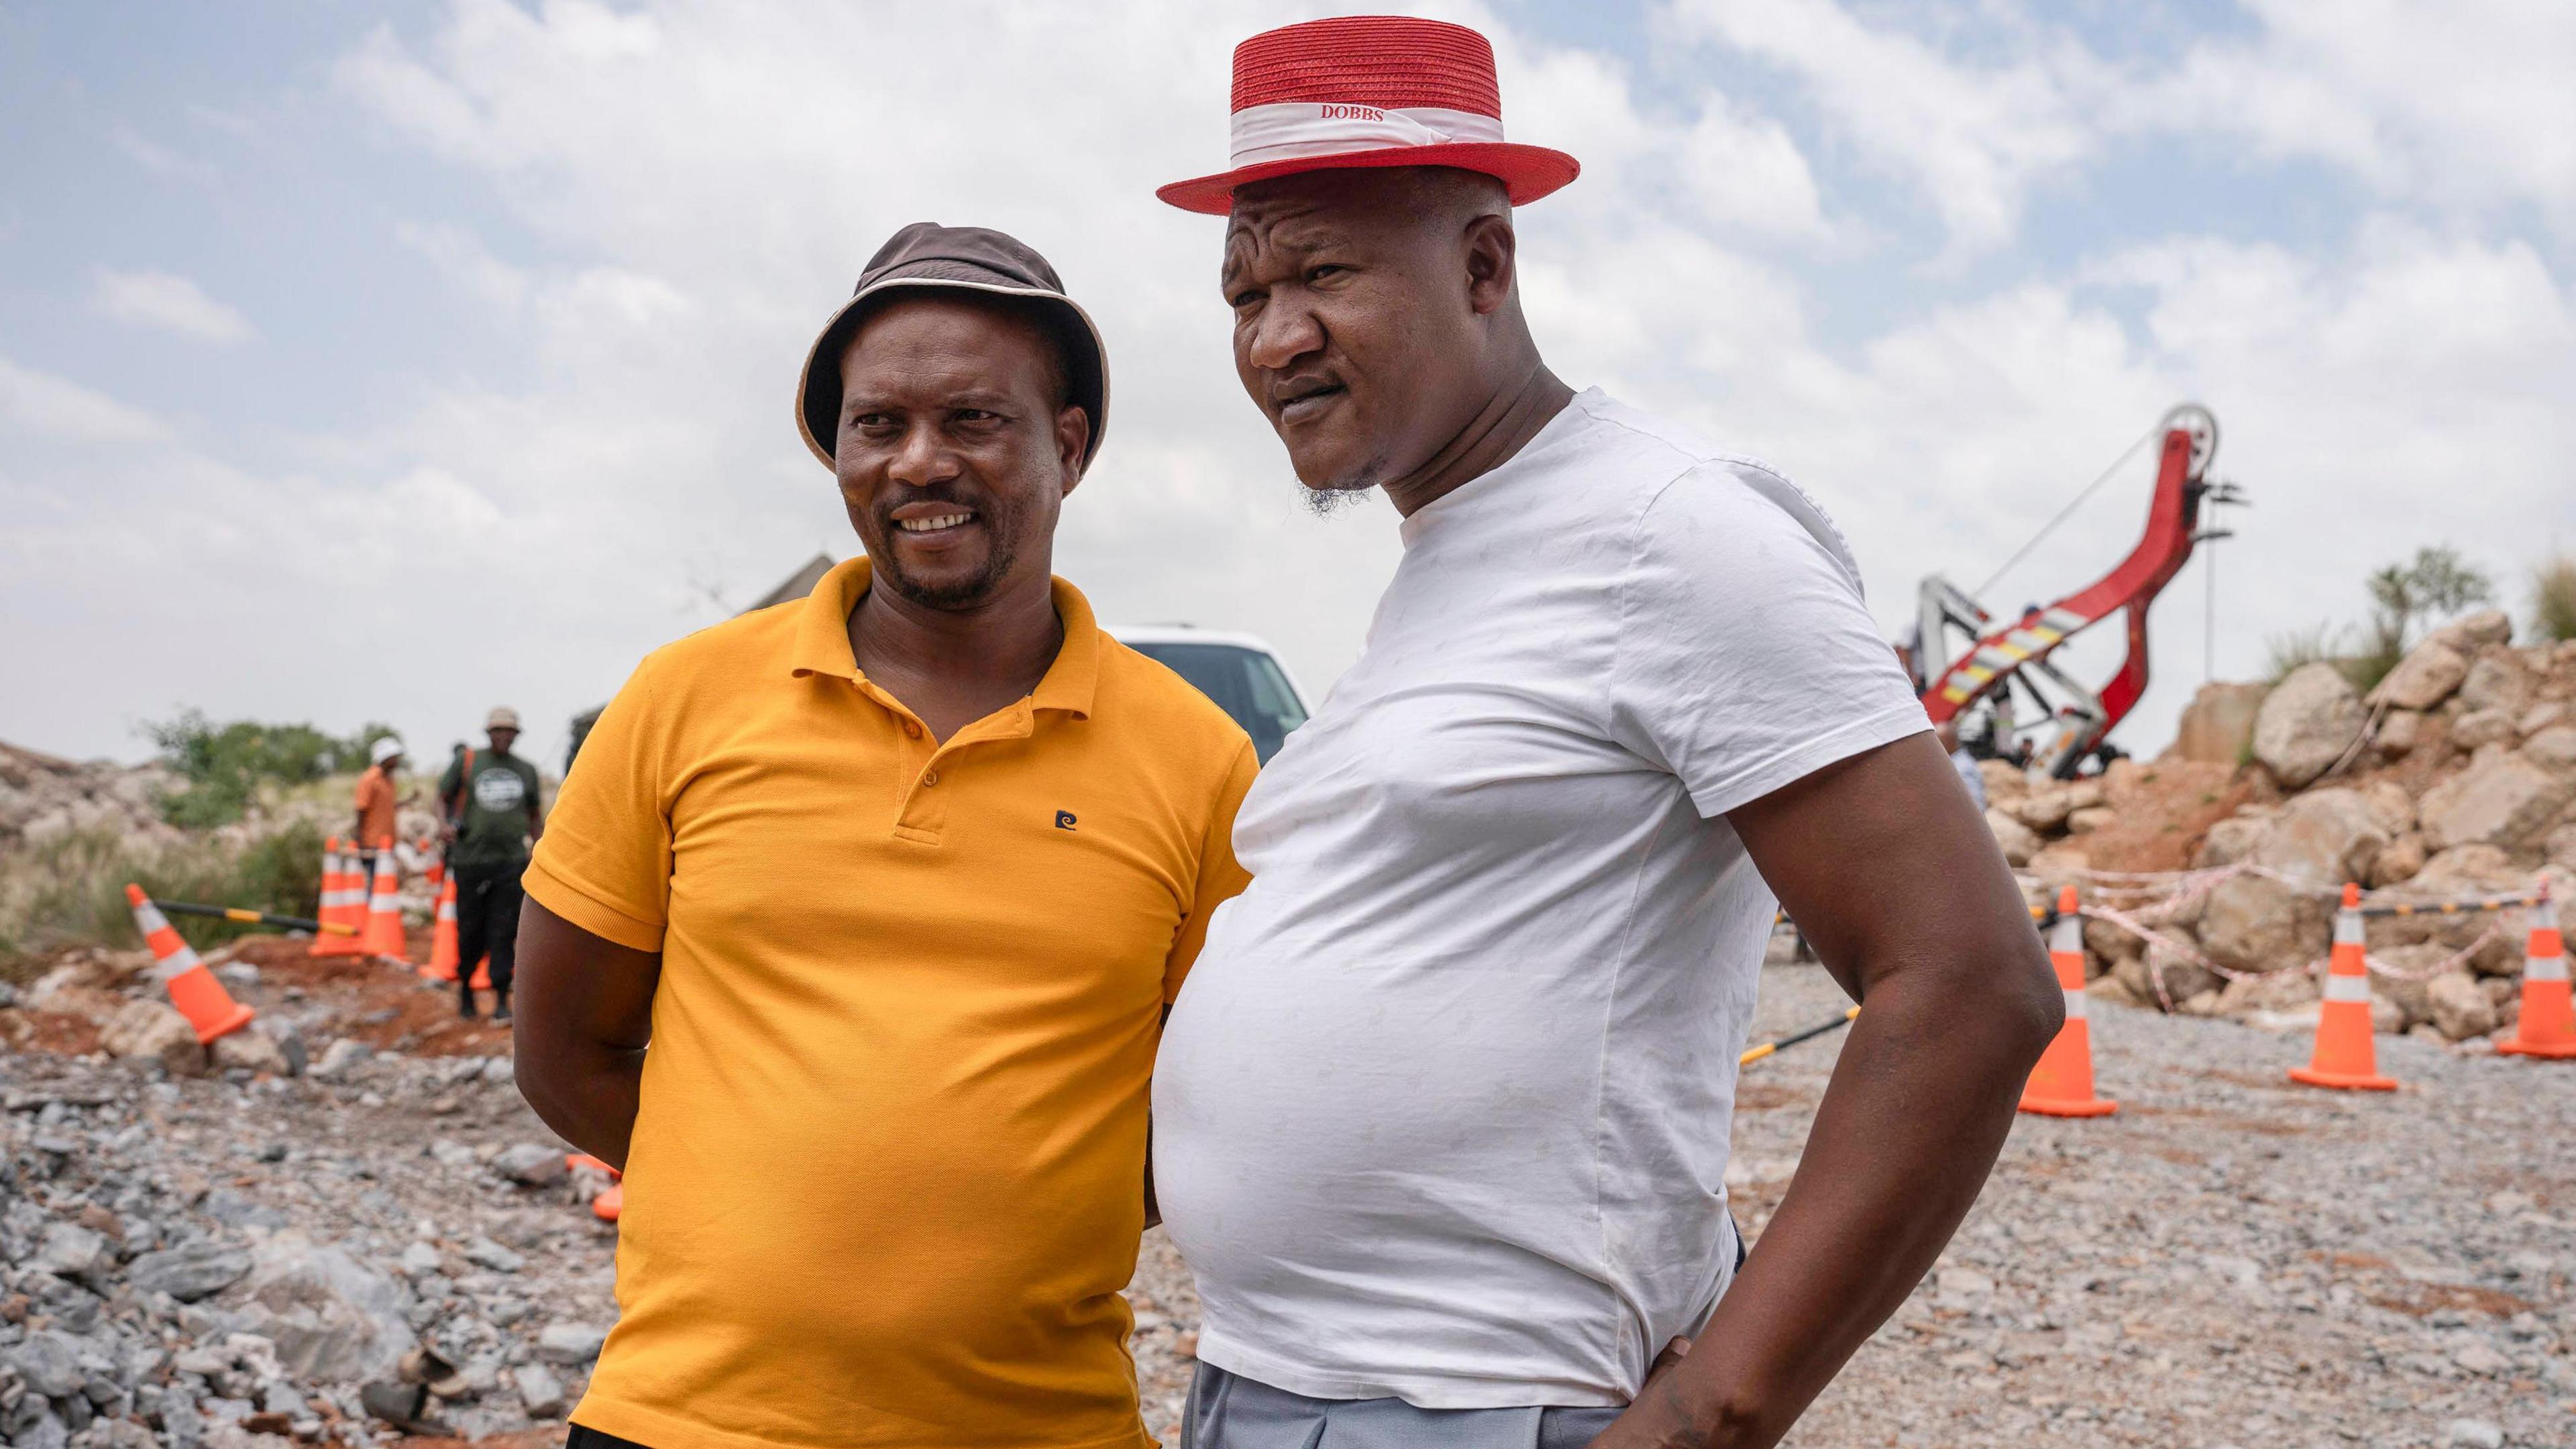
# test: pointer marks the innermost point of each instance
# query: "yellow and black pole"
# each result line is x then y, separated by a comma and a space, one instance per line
255, 918
1756, 1053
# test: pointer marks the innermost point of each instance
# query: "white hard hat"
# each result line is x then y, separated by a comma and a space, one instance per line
384, 749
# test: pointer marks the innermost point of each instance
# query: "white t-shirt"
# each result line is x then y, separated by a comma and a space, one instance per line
1442, 1111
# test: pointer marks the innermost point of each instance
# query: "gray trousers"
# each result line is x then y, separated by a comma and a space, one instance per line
1228, 1411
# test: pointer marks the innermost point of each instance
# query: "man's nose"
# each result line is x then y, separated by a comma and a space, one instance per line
1285, 331
923, 460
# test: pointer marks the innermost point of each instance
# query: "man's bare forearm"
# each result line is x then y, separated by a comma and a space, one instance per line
585, 1014
1918, 1107
589, 1103
1933, 939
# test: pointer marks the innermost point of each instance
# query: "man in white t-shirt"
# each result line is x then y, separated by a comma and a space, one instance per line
1441, 1119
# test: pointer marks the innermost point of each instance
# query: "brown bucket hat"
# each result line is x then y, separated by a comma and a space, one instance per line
969, 259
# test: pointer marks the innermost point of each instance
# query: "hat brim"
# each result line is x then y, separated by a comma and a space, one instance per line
816, 414
1527, 172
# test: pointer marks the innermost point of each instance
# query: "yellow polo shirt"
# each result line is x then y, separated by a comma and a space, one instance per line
887, 1172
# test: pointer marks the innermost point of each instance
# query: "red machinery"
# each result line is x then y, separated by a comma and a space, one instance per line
2017, 655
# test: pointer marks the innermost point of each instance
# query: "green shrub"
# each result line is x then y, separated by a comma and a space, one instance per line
2299, 647
70, 891
2553, 599
225, 765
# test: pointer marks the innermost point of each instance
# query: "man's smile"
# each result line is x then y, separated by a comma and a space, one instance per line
932, 521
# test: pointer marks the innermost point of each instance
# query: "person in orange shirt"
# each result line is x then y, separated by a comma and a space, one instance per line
377, 800
896, 881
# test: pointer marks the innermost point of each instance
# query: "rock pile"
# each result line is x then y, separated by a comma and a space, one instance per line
2454, 777
247, 1261
44, 798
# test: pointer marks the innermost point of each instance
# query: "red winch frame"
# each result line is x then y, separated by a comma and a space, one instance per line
2016, 652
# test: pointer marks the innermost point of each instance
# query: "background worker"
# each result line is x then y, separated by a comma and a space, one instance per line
376, 800
490, 801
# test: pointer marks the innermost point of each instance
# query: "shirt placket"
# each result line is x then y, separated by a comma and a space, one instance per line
922, 815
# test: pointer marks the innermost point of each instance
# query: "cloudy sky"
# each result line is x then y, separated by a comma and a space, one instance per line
390, 361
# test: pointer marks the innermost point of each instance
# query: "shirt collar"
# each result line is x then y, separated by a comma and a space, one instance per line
821, 644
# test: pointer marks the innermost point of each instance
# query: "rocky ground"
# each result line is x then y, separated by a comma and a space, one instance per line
238, 1260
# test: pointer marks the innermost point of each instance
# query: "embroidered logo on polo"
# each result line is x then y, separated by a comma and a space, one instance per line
1064, 820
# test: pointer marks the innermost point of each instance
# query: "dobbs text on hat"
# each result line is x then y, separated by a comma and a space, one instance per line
960, 258
1369, 91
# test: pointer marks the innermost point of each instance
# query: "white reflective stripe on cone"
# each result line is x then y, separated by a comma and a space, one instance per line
2347, 928
2068, 937
2074, 1006
2347, 988
2544, 968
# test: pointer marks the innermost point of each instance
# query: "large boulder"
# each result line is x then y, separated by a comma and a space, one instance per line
2005, 781
150, 1031
2043, 809
2326, 837
2472, 632
2498, 679
2502, 799
2218, 724
2232, 840
2016, 840
2399, 730
333, 1318
2423, 679
2271, 991
2480, 728
2553, 749
2460, 1007
2306, 723
189, 1272
2398, 861
2252, 923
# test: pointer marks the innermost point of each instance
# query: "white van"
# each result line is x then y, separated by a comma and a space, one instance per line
1241, 672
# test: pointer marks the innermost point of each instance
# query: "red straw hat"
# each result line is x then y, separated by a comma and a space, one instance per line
1369, 90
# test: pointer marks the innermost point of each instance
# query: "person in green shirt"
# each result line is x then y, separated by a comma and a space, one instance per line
490, 798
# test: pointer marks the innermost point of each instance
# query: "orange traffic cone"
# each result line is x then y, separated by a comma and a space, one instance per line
384, 912
193, 989
338, 898
2345, 1056
483, 973
442, 938
611, 1200
2548, 1026
2062, 1084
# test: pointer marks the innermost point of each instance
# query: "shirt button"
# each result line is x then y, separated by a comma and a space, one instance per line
911, 731
929, 778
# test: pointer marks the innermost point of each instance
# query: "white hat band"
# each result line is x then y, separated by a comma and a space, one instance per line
1294, 129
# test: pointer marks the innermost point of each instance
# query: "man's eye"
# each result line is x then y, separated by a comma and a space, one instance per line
975, 415
871, 420
1243, 299
1328, 269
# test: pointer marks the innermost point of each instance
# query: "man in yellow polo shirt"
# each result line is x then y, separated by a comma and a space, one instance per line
896, 882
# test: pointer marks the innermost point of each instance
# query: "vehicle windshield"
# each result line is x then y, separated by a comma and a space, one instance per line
1245, 683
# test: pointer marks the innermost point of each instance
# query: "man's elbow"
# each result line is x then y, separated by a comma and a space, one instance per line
2031, 1008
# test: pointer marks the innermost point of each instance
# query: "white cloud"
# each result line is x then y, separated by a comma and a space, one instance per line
43, 405
167, 302
1970, 140
468, 265
2467, 102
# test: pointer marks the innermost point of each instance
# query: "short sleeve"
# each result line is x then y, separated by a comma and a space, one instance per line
604, 862
1220, 877
450, 780
1746, 658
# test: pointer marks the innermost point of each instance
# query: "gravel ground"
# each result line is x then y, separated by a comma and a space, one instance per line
2231, 1260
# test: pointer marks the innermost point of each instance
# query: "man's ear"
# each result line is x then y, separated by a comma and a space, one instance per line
1492, 258
1072, 436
